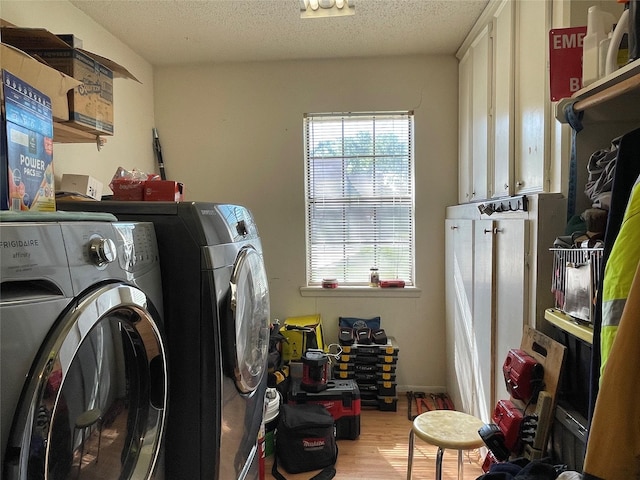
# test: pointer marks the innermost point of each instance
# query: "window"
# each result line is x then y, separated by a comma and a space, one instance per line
359, 196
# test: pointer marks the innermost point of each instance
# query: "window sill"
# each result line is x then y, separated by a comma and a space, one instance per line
360, 292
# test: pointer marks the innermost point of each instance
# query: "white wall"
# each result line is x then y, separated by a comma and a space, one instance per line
233, 133
131, 145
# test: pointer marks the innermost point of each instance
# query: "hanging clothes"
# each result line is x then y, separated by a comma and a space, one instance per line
613, 448
618, 274
601, 167
626, 172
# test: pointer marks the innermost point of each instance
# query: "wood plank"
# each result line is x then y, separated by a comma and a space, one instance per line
63, 133
550, 354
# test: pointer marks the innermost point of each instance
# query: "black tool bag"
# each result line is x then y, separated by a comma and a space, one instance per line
305, 441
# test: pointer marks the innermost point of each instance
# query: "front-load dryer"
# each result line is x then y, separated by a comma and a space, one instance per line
216, 302
83, 366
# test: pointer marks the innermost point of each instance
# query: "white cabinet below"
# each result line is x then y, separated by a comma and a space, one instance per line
497, 280
486, 306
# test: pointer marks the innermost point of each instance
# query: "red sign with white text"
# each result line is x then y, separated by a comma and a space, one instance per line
565, 61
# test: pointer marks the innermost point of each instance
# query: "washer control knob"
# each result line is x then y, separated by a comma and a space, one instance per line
102, 250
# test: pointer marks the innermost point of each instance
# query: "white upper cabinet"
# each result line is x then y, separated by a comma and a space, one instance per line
503, 45
532, 104
465, 167
504, 102
475, 106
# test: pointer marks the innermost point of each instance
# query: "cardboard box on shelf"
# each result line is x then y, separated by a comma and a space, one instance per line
47, 80
26, 153
91, 102
163, 191
84, 184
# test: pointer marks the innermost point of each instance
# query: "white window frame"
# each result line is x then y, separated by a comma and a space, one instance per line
392, 253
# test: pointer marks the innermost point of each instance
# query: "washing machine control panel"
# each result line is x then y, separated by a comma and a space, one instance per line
139, 249
119, 250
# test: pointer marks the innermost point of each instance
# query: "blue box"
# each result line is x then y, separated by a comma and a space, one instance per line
26, 148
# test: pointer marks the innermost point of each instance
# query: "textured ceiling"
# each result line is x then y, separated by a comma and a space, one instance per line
169, 32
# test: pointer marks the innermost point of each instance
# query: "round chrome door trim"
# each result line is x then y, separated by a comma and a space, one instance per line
115, 324
250, 309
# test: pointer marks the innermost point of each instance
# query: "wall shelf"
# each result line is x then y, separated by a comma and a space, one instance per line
568, 324
618, 92
66, 134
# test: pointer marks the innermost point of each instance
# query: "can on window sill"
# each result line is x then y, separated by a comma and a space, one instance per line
329, 283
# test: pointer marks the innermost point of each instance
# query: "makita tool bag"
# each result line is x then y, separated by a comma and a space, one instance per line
305, 441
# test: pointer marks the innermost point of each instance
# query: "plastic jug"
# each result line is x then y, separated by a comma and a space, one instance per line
599, 24
621, 31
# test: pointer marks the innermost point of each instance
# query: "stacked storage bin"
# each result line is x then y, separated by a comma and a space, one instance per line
373, 367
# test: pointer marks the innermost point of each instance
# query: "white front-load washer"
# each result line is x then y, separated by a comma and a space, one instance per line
83, 369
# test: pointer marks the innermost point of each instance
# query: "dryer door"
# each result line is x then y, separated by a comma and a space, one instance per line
95, 401
250, 307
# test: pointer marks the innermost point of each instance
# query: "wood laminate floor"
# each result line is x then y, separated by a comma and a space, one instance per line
380, 452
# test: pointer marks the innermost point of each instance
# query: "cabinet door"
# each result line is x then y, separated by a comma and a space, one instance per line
500, 303
459, 304
483, 317
503, 99
487, 303
511, 274
480, 107
531, 97
465, 187
474, 89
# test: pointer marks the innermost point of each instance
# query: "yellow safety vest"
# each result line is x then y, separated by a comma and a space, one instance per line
619, 273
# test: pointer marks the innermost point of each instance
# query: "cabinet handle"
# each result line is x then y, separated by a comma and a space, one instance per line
497, 230
453, 227
493, 230
488, 230
519, 184
506, 186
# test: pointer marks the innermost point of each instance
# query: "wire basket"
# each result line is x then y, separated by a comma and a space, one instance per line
575, 280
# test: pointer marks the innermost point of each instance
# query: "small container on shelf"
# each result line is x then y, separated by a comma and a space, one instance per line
374, 277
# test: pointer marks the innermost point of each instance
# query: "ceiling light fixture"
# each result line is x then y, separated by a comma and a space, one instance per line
326, 8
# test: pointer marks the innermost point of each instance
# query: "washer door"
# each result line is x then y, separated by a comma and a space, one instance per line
95, 402
250, 307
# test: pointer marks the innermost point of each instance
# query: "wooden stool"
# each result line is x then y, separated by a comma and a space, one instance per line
445, 429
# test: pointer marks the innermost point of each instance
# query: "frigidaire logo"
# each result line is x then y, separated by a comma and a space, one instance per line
19, 243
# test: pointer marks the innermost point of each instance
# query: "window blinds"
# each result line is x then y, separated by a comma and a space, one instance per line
359, 196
